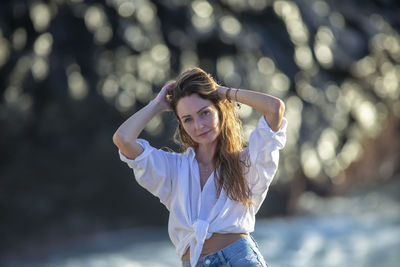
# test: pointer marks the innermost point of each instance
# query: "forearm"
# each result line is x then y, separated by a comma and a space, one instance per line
271, 107
125, 136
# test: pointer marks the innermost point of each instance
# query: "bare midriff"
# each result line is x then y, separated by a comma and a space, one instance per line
215, 243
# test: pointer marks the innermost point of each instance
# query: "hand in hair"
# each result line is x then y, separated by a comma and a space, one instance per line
224, 92
162, 99
126, 135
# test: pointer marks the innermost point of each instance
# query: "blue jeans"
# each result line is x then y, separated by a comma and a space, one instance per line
242, 253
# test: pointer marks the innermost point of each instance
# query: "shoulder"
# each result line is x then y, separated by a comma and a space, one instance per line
165, 151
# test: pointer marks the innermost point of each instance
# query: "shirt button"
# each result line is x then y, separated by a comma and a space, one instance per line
207, 261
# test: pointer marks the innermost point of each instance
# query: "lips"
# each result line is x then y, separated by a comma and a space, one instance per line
203, 134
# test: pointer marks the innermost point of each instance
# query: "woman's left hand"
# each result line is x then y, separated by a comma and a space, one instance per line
221, 92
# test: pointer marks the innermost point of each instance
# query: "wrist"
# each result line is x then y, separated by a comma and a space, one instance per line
156, 105
222, 91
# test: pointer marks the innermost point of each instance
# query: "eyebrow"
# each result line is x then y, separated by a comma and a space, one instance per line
184, 116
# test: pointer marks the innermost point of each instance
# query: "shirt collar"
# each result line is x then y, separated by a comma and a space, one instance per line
190, 152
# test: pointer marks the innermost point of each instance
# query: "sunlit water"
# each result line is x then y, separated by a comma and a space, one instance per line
360, 230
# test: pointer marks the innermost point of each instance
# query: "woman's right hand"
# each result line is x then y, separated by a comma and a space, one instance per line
161, 98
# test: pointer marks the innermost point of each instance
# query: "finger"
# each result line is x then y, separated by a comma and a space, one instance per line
165, 88
171, 84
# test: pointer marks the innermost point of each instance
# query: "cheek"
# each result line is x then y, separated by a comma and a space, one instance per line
216, 120
187, 129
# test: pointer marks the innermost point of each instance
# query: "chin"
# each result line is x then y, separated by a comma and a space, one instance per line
205, 141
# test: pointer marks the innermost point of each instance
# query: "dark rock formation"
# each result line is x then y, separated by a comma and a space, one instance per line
71, 71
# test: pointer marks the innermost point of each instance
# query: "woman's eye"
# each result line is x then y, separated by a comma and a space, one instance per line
186, 120
206, 112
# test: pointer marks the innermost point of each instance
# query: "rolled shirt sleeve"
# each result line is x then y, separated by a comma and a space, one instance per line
264, 146
153, 170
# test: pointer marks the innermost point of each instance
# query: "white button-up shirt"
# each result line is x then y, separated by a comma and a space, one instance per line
196, 214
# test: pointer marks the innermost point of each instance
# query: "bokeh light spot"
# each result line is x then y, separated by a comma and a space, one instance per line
303, 57
94, 18
43, 44
143, 91
280, 84
230, 25
258, 5
128, 82
266, 65
350, 152
245, 111
155, 126
225, 65
110, 87
203, 9
40, 15
337, 20
327, 144
160, 53
125, 101
126, 9
364, 67
19, 38
324, 55
309, 161
40, 68
188, 59
203, 24
321, 8
293, 113
78, 87
145, 14
4, 49
103, 34
366, 114
136, 38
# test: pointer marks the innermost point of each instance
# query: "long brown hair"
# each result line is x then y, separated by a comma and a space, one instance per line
230, 141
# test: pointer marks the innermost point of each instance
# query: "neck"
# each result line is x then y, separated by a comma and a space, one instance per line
205, 152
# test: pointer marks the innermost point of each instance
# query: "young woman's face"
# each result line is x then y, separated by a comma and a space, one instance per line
199, 118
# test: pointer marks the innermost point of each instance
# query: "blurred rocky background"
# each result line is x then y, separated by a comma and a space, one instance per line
71, 71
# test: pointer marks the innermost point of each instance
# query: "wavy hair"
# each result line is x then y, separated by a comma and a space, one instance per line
230, 142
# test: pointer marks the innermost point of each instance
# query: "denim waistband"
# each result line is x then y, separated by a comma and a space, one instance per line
234, 248
228, 252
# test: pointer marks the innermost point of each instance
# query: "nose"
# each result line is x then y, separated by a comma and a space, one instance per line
198, 124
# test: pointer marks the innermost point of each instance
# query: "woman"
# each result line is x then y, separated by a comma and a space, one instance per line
215, 187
